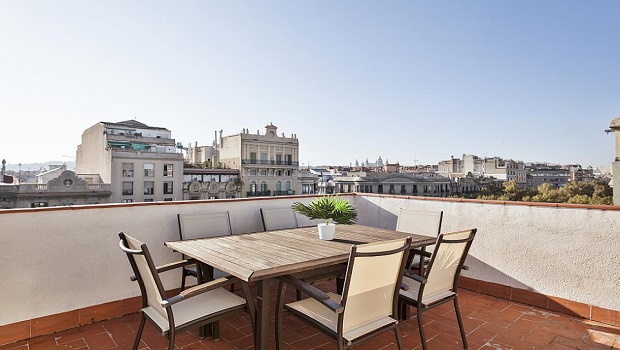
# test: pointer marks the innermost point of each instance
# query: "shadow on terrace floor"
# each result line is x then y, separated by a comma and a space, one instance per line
490, 323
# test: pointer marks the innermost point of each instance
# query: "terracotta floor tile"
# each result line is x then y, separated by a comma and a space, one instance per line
490, 323
101, 341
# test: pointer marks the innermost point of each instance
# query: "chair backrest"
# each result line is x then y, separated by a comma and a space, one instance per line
203, 225
448, 258
278, 219
427, 223
145, 271
372, 282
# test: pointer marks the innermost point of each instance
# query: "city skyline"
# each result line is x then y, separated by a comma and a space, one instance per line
406, 81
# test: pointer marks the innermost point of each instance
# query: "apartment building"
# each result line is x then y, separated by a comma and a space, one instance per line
268, 163
139, 161
502, 169
420, 184
541, 173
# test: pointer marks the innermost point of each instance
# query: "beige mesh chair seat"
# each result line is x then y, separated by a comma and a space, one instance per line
438, 285
368, 304
278, 219
203, 225
427, 223
196, 306
283, 218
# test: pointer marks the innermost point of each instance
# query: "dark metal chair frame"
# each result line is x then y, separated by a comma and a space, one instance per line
167, 302
339, 308
424, 279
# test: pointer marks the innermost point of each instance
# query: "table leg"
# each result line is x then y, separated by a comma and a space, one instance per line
263, 301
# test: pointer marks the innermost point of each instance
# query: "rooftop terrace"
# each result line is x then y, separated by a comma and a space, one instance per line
541, 276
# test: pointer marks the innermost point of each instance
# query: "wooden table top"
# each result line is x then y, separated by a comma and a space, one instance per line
257, 256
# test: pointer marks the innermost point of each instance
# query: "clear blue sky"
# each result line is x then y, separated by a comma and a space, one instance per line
405, 80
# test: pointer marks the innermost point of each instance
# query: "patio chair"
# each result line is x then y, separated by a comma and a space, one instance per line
438, 285
278, 219
203, 225
427, 223
199, 305
283, 218
368, 304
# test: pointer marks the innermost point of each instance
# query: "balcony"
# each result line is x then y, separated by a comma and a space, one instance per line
542, 276
269, 162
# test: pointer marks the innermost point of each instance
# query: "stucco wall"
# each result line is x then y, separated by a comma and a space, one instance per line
54, 260
572, 253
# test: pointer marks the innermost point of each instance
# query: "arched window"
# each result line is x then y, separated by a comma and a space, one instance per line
288, 185
263, 186
253, 187
279, 186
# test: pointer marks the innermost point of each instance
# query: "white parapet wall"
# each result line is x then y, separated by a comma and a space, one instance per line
54, 260
571, 252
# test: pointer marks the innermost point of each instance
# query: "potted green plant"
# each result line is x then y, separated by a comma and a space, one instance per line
330, 208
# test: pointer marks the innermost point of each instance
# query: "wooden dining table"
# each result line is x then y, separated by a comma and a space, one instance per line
262, 257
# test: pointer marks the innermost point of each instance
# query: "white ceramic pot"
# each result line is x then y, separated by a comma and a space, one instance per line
327, 232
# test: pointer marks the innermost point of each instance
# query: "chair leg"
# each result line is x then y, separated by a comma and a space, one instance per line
398, 342
139, 332
421, 328
279, 309
183, 277
298, 294
460, 321
171, 339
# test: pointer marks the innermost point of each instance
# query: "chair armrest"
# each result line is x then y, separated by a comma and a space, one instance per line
175, 265
415, 277
314, 292
170, 266
199, 289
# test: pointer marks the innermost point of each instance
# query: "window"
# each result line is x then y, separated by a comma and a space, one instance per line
252, 157
149, 169
149, 187
167, 199
263, 186
288, 172
277, 172
380, 189
279, 186
168, 187
252, 187
263, 172
402, 189
392, 188
288, 159
127, 188
263, 158
127, 200
148, 199
288, 186
278, 159
127, 169
168, 170
252, 172
38, 204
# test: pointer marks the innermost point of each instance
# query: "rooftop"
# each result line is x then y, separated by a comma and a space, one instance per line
542, 275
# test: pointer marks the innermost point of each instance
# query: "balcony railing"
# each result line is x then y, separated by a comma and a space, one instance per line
29, 188
533, 249
269, 162
259, 193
